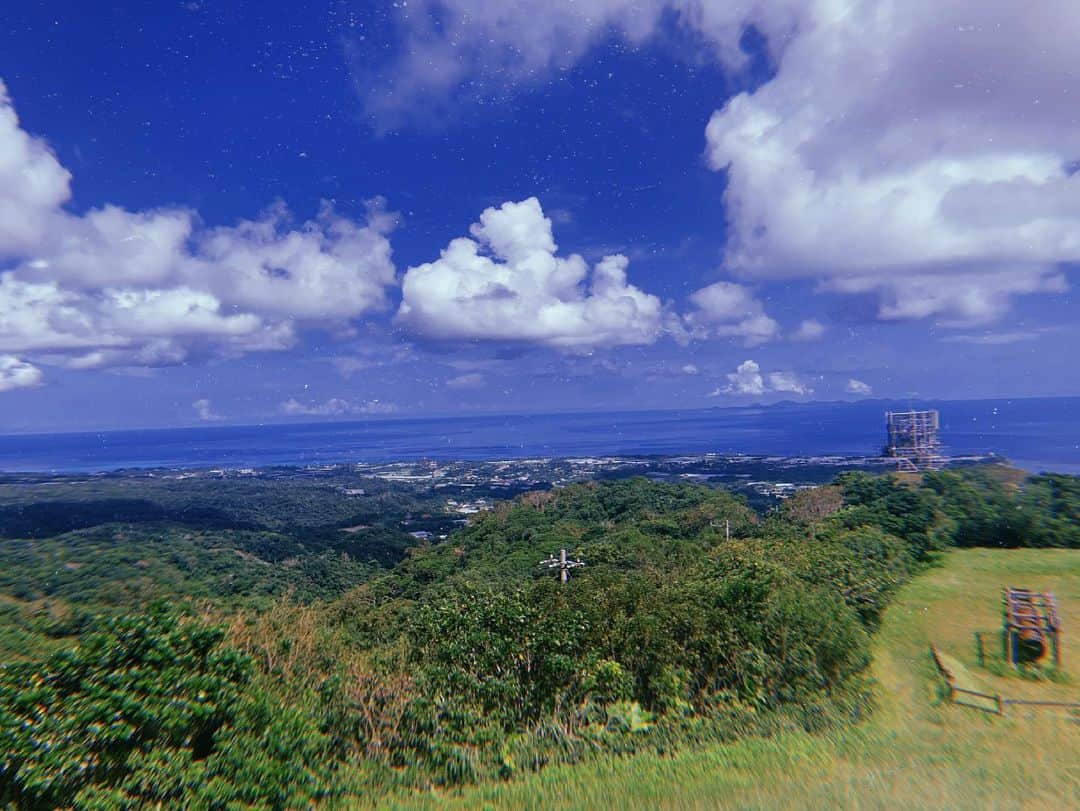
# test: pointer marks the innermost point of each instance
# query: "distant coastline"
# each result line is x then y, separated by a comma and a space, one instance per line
1036, 434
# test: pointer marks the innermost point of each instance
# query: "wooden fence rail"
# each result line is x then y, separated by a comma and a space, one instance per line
1024, 701
999, 700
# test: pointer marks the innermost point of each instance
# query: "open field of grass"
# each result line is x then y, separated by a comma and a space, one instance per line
915, 752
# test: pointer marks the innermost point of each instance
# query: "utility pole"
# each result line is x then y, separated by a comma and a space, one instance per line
727, 527
563, 564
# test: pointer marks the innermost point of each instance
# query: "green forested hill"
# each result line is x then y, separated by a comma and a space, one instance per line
695, 620
73, 547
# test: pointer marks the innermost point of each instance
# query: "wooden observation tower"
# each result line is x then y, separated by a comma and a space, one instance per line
912, 439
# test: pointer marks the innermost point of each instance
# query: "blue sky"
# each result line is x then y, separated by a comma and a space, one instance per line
250, 212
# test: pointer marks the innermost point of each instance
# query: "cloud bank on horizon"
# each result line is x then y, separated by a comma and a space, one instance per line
748, 380
917, 156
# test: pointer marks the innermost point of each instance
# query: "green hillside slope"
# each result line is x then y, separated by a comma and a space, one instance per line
914, 752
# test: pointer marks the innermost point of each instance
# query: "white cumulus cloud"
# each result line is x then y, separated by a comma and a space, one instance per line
115, 287
858, 387
205, 411
328, 268
17, 374
809, 330
788, 382
457, 49
913, 150
749, 380
508, 283
746, 379
920, 152
726, 309
33, 184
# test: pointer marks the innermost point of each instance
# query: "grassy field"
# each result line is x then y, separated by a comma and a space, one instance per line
915, 752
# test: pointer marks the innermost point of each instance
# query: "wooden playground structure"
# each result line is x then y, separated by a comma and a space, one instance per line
1030, 626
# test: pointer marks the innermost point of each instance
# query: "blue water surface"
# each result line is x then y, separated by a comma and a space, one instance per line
1037, 434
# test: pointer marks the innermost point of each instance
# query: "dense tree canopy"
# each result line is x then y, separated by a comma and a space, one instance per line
694, 618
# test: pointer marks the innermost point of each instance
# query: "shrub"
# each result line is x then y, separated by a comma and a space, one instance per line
151, 709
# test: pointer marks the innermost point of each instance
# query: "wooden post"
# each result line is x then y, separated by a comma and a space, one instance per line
1004, 641
563, 571
1000, 704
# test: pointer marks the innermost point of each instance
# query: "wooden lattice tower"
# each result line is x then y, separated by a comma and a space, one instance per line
912, 439
1029, 626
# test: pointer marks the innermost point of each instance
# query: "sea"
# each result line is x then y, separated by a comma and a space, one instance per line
1037, 434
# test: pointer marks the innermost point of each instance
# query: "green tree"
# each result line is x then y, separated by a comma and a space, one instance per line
151, 709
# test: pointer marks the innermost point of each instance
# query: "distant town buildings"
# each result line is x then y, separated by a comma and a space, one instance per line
468, 507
